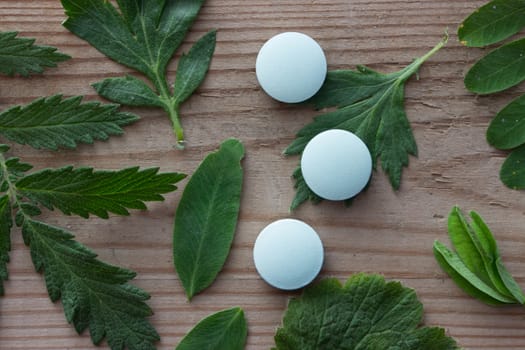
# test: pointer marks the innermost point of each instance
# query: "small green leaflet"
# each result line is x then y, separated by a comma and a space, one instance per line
493, 22
94, 295
371, 105
476, 265
499, 70
206, 217
363, 314
144, 35
22, 56
224, 330
53, 122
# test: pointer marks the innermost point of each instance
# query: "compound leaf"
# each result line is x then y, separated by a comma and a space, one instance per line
6, 223
206, 217
365, 313
84, 191
223, 330
53, 122
22, 56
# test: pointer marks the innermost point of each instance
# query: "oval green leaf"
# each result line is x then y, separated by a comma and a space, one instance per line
500, 69
224, 330
512, 172
206, 217
493, 22
507, 129
128, 91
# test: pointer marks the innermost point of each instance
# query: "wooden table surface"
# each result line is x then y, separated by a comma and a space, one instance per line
384, 231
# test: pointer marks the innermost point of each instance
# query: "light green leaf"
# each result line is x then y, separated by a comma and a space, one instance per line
193, 67
224, 330
144, 35
492, 22
6, 222
499, 70
366, 313
85, 191
53, 122
507, 129
206, 217
94, 295
510, 282
128, 91
22, 56
513, 169
371, 105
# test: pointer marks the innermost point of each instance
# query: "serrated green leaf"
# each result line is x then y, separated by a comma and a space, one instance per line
499, 70
6, 222
22, 56
507, 129
94, 295
492, 22
128, 91
224, 330
84, 191
193, 67
206, 217
366, 313
452, 264
144, 35
371, 105
512, 172
53, 122
303, 193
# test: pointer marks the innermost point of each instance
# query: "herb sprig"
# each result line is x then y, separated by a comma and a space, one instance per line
497, 71
371, 105
144, 35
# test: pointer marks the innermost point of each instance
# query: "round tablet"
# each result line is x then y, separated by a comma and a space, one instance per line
288, 254
336, 165
291, 67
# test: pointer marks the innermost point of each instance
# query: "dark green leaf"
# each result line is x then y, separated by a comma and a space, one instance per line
371, 105
128, 91
94, 295
366, 313
206, 217
193, 67
224, 330
84, 191
22, 56
500, 69
144, 35
513, 169
54, 122
6, 222
507, 129
492, 22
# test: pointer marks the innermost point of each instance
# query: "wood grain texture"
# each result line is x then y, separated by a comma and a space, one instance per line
385, 232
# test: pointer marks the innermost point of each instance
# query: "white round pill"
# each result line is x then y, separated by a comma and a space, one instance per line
291, 67
336, 165
288, 254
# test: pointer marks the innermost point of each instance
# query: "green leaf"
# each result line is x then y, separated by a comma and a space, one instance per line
84, 191
144, 35
371, 105
513, 169
206, 217
366, 313
94, 295
22, 56
6, 222
499, 70
224, 330
477, 267
193, 67
128, 91
53, 122
507, 129
492, 22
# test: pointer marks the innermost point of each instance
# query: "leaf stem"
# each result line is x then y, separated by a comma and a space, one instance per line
11, 191
409, 71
